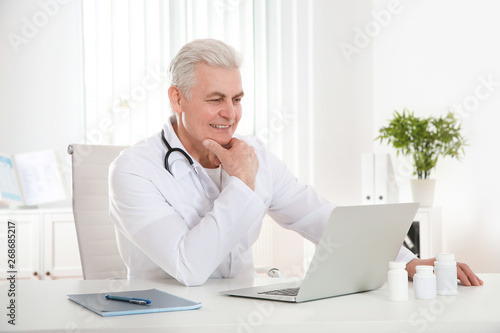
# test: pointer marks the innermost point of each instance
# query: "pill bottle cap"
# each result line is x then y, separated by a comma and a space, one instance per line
445, 257
424, 270
397, 265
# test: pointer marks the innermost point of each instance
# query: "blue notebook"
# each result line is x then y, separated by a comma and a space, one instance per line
161, 301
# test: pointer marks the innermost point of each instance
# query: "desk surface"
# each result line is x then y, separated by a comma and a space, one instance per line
43, 306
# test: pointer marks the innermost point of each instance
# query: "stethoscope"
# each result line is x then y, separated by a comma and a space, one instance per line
171, 150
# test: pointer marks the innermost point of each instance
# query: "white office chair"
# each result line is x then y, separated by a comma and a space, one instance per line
94, 228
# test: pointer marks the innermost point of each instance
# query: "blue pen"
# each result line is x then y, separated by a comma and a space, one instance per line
134, 300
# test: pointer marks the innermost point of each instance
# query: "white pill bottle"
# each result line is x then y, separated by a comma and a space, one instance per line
397, 281
424, 283
445, 268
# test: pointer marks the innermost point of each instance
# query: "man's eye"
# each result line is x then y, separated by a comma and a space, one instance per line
216, 100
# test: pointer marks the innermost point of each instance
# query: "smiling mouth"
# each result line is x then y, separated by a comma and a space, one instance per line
220, 126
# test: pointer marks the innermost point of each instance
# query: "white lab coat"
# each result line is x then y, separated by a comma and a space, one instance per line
165, 224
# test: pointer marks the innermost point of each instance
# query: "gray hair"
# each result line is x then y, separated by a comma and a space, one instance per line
211, 51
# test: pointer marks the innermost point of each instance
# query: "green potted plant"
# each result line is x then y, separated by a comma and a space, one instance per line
424, 140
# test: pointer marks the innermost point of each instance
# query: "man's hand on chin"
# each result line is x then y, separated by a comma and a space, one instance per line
464, 273
238, 160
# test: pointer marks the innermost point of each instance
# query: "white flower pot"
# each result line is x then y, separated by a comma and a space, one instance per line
423, 191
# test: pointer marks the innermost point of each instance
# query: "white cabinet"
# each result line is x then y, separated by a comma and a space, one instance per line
61, 255
47, 246
27, 240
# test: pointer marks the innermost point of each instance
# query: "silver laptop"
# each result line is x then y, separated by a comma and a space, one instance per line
352, 255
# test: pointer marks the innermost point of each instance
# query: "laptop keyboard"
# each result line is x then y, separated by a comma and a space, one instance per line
282, 292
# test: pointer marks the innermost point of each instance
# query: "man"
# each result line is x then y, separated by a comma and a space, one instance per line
188, 203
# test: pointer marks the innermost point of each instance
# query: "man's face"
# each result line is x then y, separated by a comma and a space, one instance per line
213, 110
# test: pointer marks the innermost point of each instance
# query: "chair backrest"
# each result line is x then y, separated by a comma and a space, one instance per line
95, 230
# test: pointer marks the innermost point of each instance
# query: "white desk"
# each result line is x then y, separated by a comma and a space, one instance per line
43, 306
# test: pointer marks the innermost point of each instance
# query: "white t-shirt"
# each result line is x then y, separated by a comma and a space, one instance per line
215, 175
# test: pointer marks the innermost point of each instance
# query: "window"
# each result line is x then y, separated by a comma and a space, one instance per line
128, 47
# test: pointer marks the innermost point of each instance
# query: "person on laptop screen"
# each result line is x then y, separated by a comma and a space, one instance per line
188, 202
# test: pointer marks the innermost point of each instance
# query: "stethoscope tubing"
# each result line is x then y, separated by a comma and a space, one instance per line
171, 150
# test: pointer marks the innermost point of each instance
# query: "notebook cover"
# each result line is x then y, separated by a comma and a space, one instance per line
161, 301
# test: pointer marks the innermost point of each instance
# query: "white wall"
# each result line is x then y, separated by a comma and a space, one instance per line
41, 81
343, 91
430, 58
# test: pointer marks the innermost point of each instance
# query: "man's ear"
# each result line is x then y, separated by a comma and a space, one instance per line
174, 94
